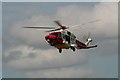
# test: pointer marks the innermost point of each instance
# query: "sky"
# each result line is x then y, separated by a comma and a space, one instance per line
26, 54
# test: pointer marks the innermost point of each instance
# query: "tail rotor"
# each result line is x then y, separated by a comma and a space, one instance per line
88, 39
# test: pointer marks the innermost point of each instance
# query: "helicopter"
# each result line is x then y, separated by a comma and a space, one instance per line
61, 38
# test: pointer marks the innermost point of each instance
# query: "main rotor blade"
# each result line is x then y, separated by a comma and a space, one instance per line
59, 24
86, 37
86, 23
89, 34
41, 27
53, 30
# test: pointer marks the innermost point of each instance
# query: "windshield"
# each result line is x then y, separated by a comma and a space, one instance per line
56, 33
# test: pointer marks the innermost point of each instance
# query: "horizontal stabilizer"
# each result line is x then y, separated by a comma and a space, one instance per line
91, 46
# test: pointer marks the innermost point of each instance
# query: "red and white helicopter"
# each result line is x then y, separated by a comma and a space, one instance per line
61, 38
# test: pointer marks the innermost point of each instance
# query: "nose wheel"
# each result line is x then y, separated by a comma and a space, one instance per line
60, 50
52, 44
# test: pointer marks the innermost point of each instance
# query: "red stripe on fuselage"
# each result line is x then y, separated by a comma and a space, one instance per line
80, 44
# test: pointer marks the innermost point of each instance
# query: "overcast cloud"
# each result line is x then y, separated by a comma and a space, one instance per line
32, 54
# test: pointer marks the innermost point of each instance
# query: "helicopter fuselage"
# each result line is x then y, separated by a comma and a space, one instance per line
55, 39
61, 38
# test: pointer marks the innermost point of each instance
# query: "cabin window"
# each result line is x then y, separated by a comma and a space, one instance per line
56, 34
69, 33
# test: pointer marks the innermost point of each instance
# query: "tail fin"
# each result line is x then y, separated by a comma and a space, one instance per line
89, 40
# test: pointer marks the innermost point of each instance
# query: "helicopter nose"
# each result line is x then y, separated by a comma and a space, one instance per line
50, 37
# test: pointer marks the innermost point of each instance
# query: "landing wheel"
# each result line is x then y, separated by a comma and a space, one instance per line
73, 48
60, 50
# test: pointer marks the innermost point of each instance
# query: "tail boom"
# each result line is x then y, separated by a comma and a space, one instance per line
81, 45
91, 47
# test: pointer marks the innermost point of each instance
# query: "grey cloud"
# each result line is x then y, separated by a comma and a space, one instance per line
42, 59
14, 55
32, 55
63, 73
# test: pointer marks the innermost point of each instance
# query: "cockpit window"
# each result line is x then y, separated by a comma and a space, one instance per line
69, 33
56, 34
